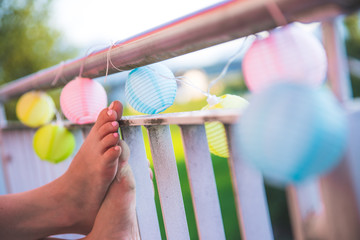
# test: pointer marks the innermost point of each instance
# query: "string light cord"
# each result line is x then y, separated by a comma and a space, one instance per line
58, 74
87, 54
109, 59
211, 99
276, 13
59, 119
109, 62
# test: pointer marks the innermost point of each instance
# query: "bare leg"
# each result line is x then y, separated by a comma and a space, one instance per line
70, 203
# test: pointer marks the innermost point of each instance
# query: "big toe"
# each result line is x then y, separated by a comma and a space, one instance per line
118, 108
112, 113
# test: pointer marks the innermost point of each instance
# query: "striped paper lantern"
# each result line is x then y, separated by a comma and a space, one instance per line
215, 131
288, 54
82, 99
151, 89
53, 143
35, 108
291, 132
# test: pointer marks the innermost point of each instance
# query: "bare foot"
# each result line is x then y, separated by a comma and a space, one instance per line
117, 217
92, 170
71, 203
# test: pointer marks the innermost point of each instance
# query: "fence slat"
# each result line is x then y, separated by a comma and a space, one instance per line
168, 183
4, 176
249, 189
354, 153
306, 210
7, 163
145, 203
27, 161
202, 182
20, 183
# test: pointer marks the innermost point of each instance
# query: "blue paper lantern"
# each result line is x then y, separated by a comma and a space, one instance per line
291, 132
151, 89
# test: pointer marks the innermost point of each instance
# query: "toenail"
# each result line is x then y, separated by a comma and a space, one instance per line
109, 112
111, 105
117, 148
115, 134
114, 123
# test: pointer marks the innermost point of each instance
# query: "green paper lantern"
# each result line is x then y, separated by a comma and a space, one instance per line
53, 143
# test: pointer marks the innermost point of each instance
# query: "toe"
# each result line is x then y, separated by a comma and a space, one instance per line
118, 108
112, 154
112, 113
109, 127
109, 141
125, 152
105, 116
124, 172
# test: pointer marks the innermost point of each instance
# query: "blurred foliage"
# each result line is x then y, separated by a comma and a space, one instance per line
353, 39
29, 43
352, 24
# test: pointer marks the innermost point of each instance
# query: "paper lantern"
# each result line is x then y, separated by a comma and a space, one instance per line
53, 143
151, 89
291, 132
35, 108
82, 99
288, 54
215, 131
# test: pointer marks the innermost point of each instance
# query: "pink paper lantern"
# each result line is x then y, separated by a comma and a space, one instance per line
82, 99
288, 54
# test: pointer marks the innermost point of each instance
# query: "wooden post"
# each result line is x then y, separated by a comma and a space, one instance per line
4, 183
145, 202
202, 182
338, 186
249, 191
168, 183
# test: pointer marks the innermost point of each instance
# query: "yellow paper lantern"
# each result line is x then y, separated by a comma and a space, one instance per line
35, 108
215, 131
53, 143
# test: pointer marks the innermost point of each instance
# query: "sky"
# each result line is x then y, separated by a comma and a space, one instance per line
93, 22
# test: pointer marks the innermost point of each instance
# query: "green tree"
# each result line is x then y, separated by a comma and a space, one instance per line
352, 24
353, 39
27, 42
